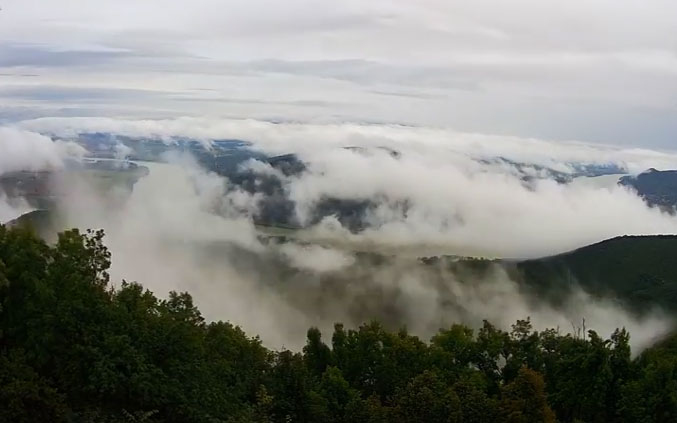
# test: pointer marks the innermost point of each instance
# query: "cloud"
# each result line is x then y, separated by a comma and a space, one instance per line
83, 95
12, 208
592, 70
24, 150
369, 73
315, 257
444, 191
314, 139
122, 151
184, 228
166, 236
28, 151
25, 55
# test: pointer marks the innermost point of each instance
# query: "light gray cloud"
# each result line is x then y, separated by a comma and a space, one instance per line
594, 70
166, 236
366, 72
24, 150
182, 228
35, 55
459, 200
53, 93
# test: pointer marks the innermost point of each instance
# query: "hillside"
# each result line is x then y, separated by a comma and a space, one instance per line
657, 188
42, 189
73, 348
43, 221
638, 270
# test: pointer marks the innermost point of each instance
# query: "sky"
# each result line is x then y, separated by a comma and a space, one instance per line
601, 71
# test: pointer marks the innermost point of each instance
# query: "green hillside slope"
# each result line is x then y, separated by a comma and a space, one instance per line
638, 270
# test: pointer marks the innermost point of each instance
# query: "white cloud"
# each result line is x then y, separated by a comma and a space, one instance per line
24, 150
316, 258
165, 237
12, 208
595, 70
437, 194
312, 140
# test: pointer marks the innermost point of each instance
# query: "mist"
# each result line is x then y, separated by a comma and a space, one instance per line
12, 208
183, 228
435, 192
434, 188
29, 151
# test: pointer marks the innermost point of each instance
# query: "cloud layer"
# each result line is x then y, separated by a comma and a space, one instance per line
432, 188
167, 237
29, 151
436, 191
593, 70
25, 150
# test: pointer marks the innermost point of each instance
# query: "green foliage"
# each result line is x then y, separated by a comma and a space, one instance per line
73, 348
641, 271
427, 398
26, 396
523, 400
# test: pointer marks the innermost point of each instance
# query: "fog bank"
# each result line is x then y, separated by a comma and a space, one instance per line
167, 236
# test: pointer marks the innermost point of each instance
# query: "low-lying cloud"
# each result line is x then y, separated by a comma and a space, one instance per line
433, 192
309, 138
22, 150
167, 236
453, 193
26, 150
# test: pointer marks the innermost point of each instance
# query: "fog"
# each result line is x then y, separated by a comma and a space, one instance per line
26, 150
12, 208
434, 191
307, 137
29, 151
449, 192
168, 237
466, 209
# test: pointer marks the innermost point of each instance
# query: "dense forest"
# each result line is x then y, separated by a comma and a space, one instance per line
73, 348
640, 271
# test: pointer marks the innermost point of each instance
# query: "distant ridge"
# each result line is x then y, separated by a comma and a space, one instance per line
640, 271
657, 187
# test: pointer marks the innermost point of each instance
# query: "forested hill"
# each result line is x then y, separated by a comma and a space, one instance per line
639, 270
74, 349
656, 187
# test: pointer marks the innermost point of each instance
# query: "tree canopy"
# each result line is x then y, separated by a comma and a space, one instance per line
75, 349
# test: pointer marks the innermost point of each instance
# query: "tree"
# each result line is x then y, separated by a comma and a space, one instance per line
652, 395
290, 384
524, 400
492, 348
476, 405
334, 400
427, 399
25, 396
453, 350
316, 353
73, 347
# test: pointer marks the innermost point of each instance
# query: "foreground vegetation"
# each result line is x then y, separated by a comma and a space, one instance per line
72, 348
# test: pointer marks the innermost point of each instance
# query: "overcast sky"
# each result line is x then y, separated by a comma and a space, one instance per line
590, 70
